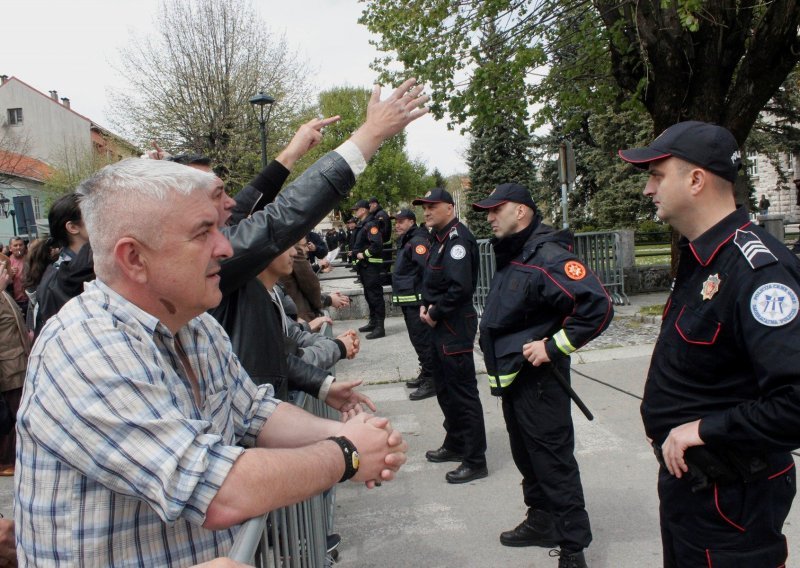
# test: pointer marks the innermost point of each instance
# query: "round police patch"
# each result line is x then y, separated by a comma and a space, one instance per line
774, 304
373, 231
420, 249
458, 252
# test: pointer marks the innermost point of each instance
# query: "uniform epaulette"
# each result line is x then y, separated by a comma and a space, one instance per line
753, 249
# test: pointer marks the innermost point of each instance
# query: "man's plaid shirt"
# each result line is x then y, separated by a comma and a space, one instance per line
116, 464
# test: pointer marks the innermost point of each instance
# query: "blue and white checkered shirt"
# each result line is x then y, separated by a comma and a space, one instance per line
116, 464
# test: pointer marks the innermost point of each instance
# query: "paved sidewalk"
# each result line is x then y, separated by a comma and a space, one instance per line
420, 520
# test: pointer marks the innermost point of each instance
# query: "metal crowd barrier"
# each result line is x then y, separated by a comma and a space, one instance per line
485, 274
293, 536
600, 251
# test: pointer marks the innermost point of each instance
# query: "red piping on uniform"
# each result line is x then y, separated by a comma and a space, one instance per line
449, 328
721, 514
546, 274
455, 352
708, 558
716, 250
687, 340
773, 476
666, 308
647, 161
571, 297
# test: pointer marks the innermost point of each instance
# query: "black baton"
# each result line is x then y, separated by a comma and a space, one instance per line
572, 394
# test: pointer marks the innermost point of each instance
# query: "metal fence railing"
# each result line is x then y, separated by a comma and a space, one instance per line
600, 251
293, 536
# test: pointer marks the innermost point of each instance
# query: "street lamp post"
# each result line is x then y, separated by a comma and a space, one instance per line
261, 100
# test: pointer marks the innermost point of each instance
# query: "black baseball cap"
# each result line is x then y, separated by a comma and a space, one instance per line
359, 204
706, 145
405, 214
352, 220
504, 193
436, 195
374, 200
190, 159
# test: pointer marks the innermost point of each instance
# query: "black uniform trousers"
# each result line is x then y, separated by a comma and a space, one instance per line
726, 526
370, 274
457, 387
419, 333
537, 414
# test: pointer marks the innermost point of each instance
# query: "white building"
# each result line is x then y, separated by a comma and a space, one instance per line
39, 133
764, 176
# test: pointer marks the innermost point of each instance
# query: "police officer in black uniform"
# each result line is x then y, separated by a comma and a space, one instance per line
413, 245
382, 218
542, 306
366, 255
722, 398
447, 286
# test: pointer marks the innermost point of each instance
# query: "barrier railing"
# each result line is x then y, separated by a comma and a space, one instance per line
600, 251
293, 536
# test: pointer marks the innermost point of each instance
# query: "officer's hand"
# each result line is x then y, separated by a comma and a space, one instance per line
423, 315
536, 353
360, 256
674, 447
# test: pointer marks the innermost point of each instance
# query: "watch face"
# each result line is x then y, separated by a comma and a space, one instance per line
354, 460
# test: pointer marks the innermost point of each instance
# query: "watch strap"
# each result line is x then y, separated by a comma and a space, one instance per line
350, 453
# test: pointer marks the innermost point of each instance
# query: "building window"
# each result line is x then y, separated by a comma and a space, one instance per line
789, 162
37, 207
14, 116
752, 164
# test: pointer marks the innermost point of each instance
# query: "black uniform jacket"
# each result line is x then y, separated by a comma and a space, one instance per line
412, 255
543, 292
368, 240
729, 348
452, 271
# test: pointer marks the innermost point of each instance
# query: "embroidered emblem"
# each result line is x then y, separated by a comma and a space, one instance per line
710, 286
458, 252
574, 270
420, 249
774, 304
373, 231
428, 194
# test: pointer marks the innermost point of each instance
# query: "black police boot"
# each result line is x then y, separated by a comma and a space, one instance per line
425, 390
443, 455
536, 530
415, 383
377, 331
568, 559
466, 473
368, 327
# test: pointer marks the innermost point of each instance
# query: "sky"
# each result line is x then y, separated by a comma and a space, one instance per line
72, 46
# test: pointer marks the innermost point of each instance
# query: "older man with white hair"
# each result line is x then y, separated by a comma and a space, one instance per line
136, 409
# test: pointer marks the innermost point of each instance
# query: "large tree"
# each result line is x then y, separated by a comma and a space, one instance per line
192, 77
717, 61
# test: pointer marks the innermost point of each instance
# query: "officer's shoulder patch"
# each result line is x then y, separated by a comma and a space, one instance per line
420, 249
753, 249
373, 231
774, 304
453, 232
458, 252
574, 270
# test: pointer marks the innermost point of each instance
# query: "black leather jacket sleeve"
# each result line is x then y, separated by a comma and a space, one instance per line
261, 190
304, 376
296, 210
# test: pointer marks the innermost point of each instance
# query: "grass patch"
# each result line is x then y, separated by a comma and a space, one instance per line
654, 310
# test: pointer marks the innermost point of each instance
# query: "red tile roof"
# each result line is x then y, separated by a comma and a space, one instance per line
23, 166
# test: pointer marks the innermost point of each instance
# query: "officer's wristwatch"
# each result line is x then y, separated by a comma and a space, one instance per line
350, 456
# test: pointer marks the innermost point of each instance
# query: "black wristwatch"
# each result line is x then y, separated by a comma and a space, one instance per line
350, 456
